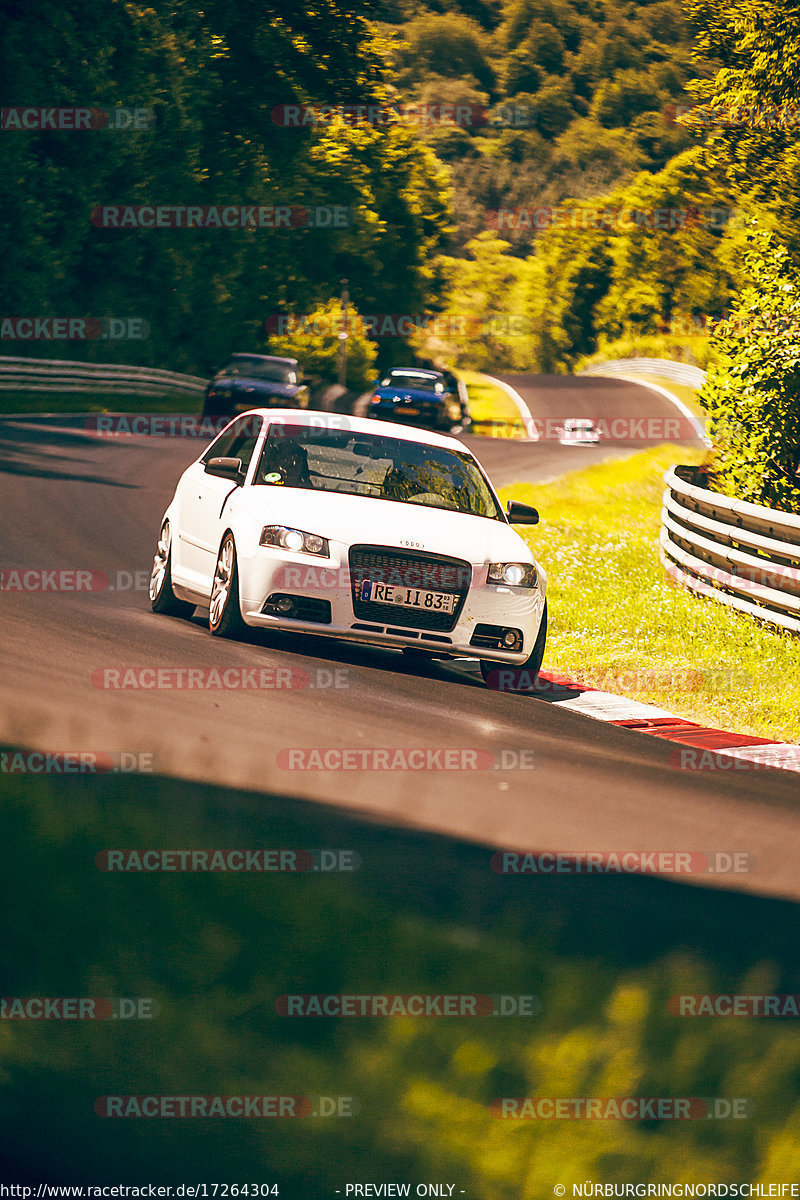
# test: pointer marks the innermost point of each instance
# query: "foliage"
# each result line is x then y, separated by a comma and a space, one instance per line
215, 79
749, 115
422, 914
753, 394
749, 120
656, 259
595, 85
484, 319
315, 343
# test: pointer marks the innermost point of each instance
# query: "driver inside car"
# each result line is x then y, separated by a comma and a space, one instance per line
286, 463
397, 485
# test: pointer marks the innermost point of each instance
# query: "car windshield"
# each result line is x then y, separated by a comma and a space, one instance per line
384, 468
257, 368
407, 379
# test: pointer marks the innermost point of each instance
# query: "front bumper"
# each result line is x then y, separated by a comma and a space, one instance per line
417, 412
270, 571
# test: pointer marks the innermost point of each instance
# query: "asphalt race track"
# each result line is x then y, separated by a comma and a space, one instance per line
74, 501
625, 407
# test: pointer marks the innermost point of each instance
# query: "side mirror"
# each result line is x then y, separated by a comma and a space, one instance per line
225, 468
521, 514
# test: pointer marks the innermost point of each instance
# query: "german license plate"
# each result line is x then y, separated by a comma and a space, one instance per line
408, 412
403, 597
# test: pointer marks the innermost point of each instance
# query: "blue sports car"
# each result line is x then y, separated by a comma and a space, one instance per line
419, 396
255, 381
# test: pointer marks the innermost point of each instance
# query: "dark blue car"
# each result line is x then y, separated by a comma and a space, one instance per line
255, 381
421, 397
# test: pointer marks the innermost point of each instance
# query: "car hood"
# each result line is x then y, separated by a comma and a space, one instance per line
241, 383
418, 395
355, 519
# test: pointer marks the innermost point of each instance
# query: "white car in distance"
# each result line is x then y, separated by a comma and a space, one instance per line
579, 431
346, 527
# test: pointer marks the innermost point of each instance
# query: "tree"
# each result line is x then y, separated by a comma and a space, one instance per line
753, 394
749, 109
485, 319
219, 80
314, 339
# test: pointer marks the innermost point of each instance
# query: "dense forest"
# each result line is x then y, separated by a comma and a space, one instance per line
577, 96
552, 179
563, 99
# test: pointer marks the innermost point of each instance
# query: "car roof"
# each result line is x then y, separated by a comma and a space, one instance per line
421, 371
328, 420
261, 357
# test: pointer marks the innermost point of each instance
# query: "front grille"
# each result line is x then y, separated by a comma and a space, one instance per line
413, 569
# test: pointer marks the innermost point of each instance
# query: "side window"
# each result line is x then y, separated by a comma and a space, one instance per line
220, 447
245, 435
237, 441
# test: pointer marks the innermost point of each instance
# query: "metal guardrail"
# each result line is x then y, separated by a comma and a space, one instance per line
678, 372
95, 379
744, 555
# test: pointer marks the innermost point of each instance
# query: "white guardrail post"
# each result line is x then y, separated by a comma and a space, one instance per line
93, 379
744, 555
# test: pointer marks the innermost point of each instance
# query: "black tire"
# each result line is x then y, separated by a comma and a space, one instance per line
225, 611
527, 673
162, 597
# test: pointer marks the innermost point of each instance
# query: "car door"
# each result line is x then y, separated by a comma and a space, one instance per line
204, 501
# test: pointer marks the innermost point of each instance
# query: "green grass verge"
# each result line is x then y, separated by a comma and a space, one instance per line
618, 623
491, 409
423, 914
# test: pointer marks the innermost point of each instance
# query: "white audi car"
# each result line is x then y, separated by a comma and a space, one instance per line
351, 528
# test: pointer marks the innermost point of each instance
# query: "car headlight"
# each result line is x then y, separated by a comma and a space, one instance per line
516, 574
294, 539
